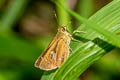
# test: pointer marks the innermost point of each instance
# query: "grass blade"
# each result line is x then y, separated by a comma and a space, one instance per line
111, 37
85, 54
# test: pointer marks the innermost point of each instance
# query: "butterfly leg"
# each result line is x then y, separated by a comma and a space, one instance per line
74, 39
70, 49
76, 31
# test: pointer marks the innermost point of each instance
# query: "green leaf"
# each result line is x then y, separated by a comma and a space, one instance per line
79, 61
48, 75
111, 37
92, 46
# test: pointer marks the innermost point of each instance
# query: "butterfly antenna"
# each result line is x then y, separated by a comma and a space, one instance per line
56, 17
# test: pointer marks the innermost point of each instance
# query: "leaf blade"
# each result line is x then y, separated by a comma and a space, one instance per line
101, 47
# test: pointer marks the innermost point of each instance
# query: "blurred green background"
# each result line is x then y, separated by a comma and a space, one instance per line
26, 28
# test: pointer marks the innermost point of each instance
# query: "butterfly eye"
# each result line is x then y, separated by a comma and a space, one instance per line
63, 29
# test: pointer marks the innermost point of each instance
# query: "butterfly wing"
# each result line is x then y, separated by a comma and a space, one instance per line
62, 51
44, 62
55, 54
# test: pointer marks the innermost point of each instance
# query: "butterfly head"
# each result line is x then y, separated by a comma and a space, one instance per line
62, 29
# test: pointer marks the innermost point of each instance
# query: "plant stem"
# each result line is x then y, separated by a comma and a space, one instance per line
63, 16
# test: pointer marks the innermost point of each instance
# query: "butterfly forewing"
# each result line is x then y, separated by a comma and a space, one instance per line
56, 52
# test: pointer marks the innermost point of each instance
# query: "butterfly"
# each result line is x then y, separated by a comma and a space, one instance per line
57, 51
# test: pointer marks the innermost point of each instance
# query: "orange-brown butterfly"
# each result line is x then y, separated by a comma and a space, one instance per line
57, 51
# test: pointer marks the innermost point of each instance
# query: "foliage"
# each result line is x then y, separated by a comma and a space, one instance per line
19, 54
